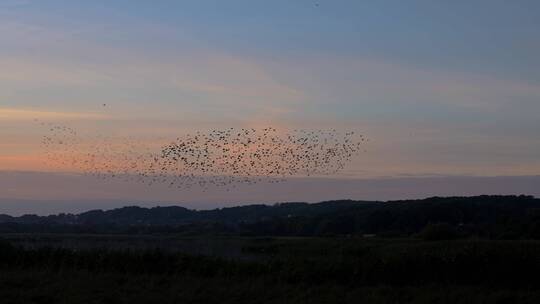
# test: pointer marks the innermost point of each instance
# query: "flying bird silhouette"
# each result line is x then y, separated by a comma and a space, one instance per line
218, 158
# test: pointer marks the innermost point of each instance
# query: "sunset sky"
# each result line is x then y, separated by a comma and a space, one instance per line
443, 89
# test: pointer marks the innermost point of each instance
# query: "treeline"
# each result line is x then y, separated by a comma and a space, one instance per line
493, 217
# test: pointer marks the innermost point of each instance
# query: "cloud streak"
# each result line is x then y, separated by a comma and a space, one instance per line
14, 114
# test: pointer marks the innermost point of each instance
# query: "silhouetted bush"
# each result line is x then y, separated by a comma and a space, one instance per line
439, 232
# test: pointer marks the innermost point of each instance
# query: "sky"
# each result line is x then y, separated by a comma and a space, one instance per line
443, 89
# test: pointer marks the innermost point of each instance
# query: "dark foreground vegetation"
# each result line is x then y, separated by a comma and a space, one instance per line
439, 250
307, 270
489, 217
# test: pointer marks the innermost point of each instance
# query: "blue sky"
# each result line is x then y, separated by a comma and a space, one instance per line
491, 42
483, 36
441, 87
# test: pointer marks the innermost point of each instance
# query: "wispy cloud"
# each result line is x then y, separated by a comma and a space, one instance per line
14, 3
27, 114
379, 82
74, 66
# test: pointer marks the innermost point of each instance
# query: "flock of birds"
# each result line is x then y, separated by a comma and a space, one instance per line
218, 158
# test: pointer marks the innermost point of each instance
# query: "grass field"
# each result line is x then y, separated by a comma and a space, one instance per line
81, 269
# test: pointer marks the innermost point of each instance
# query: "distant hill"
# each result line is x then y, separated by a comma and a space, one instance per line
481, 216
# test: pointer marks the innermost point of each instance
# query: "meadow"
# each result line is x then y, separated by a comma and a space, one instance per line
267, 270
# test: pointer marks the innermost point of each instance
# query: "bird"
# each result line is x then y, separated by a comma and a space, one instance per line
221, 158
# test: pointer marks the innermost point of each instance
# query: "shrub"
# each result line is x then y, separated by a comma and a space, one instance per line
439, 232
